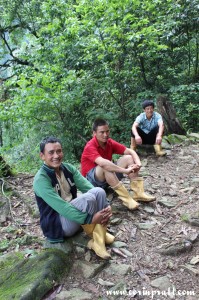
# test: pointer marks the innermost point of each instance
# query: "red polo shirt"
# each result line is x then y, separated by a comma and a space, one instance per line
93, 150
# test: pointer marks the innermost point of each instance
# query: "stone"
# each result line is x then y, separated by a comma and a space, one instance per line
65, 246
74, 294
172, 193
89, 270
30, 278
118, 244
194, 237
175, 249
79, 240
162, 283
194, 221
195, 180
167, 203
148, 209
144, 162
145, 226
79, 250
115, 269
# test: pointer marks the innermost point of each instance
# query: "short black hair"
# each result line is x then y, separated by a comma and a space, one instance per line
147, 103
48, 139
99, 122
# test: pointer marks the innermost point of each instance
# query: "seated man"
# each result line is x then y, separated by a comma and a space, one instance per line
61, 211
148, 128
98, 168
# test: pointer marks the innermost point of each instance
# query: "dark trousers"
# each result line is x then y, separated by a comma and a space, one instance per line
147, 138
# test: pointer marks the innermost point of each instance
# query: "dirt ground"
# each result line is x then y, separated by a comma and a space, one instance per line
161, 237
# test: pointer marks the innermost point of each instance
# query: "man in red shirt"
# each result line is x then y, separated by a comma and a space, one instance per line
98, 168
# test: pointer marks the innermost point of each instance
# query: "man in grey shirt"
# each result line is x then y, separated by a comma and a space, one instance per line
148, 128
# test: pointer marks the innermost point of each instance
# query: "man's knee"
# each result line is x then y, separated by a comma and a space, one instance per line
98, 191
125, 161
99, 172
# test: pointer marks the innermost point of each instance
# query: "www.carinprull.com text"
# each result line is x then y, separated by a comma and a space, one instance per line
151, 293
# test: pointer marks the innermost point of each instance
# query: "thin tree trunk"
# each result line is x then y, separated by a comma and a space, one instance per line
171, 122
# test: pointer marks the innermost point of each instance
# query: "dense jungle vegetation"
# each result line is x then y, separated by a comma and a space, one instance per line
64, 63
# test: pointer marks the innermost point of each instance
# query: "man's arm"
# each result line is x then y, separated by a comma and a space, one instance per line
160, 132
135, 132
136, 158
111, 167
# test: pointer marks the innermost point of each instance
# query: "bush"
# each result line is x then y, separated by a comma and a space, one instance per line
185, 101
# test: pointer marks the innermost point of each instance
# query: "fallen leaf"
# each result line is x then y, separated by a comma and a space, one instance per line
105, 283
117, 251
190, 268
143, 275
133, 233
194, 260
53, 292
91, 287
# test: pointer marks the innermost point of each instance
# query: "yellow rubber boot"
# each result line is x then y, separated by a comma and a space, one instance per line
133, 147
97, 244
158, 150
109, 238
88, 228
133, 144
123, 194
137, 185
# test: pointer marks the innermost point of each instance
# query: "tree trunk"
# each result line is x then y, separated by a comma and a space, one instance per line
5, 169
171, 122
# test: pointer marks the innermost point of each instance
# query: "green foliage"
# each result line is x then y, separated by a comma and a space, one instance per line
63, 64
185, 217
185, 100
4, 245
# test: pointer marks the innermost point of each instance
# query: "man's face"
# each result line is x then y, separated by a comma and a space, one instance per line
52, 155
102, 133
149, 111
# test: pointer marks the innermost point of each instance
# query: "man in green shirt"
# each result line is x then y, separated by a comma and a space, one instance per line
61, 211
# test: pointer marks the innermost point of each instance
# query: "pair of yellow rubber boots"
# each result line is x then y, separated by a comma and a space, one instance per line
98, 233
137, 186
99, 237
158, 149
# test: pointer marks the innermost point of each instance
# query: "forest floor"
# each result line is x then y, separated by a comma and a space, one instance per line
160, 239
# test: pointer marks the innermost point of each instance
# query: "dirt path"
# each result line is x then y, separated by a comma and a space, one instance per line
160, 239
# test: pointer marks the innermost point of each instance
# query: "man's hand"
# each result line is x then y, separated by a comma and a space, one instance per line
158, 140
138, 140
102, 217
136, 167
132, 169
